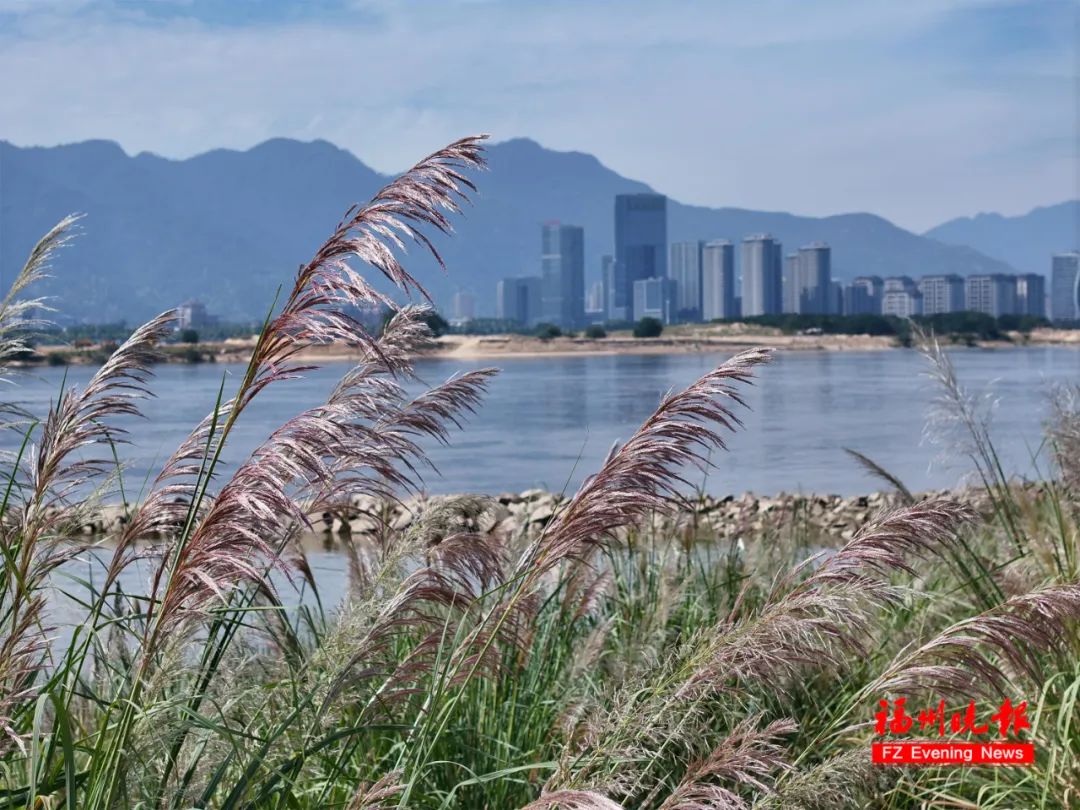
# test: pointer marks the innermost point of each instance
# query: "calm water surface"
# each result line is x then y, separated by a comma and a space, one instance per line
547, 422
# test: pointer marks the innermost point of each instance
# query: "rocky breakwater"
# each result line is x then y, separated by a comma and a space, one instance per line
513, 514
706, 517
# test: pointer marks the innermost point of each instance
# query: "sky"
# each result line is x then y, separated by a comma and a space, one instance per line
917, 110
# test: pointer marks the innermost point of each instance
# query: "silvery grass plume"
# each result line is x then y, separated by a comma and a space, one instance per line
645, 474
317, 310
361, 441
1063, 432
844, 781
16, 312
572, 800
49, 489
986, 654
381, 795
749, 757
818, 616
881, 473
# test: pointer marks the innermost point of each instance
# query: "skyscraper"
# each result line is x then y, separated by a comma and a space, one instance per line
790, 284
994, 294
761, 283
607, 278
655, 298
814, 278
562, 264
462, 307
1031, 294
718, 280
640, 247
864, 296
1064, 284
942, 294
901, 297
684, 268
519, 300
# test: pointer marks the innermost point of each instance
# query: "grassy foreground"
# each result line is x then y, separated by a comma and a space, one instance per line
621, 656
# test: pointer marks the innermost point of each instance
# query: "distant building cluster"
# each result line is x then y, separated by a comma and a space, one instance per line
686, 282
192, 314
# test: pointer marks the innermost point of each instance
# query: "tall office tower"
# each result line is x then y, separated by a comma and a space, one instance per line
607, 278
519, 300
684, 268
1031, 294
942, 294
1065, 287
640, 247
790, 284
594, 301
718, 280
562, 264
761, 275
462, 307
655, 298
836, 298
994, 294
863, 296
900, 296
814, 278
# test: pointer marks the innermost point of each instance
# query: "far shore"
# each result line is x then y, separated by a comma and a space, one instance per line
686, 339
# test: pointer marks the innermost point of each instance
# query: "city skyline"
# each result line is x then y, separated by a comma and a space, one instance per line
697, 281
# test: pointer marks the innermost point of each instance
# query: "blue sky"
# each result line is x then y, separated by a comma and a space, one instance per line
919, 110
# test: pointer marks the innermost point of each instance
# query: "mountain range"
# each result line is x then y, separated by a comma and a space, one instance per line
230, 227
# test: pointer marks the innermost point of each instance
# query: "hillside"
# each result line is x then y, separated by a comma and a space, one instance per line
1026, 242
230, 226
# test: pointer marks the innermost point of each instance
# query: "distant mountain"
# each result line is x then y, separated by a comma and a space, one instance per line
1026, 242
229, 227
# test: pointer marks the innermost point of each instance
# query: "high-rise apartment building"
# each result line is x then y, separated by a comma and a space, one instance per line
1031, 295
562, 268
901, 297
718, 280
863, 296
462, 307
993, 293
607, 279
1065, 287
942, 294
761, 275
655, 298
814, 279
789, 284
684, 268
640, 247
519, 300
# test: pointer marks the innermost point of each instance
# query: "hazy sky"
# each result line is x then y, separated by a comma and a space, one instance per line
919, 110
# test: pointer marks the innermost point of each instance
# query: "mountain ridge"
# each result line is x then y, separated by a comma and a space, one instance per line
230, 226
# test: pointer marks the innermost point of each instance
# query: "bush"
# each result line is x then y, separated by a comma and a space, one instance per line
547, 331
189, 336
648, 328
595, 331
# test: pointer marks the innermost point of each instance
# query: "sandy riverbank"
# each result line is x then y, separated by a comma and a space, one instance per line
705, 338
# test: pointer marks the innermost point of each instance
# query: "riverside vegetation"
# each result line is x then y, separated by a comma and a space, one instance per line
621, 650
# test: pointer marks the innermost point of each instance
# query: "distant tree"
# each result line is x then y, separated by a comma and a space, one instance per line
436, 323
648, 328
595, 331
547, 331
189, 336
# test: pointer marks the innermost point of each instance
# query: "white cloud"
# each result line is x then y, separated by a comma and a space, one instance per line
816, 108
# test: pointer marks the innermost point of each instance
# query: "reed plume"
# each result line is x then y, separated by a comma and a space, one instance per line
644, 475
572, 800
749, 757
880, 472
986, 653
